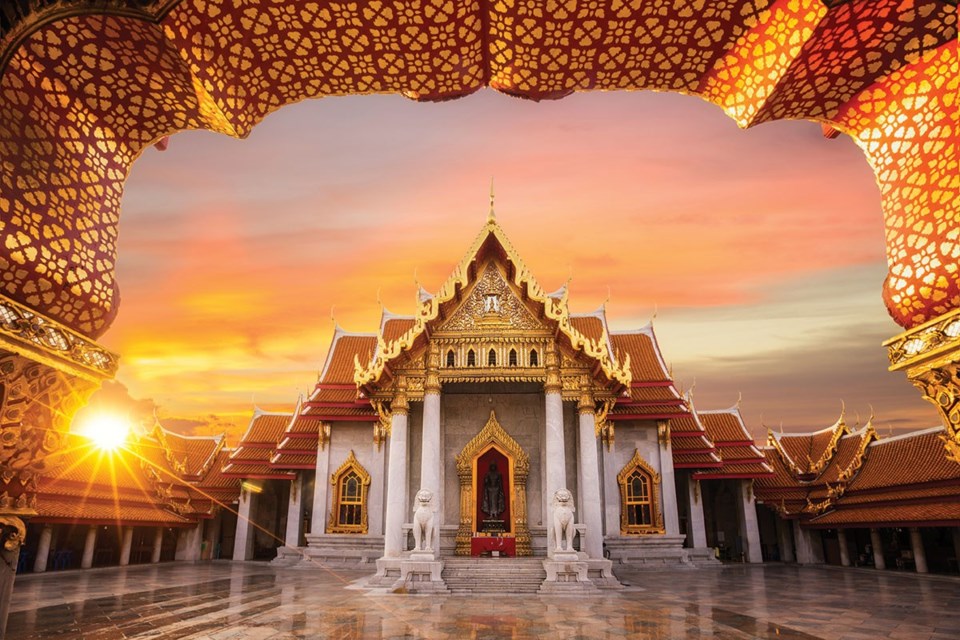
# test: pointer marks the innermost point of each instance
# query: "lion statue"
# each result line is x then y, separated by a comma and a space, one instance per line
563, 510
423, 521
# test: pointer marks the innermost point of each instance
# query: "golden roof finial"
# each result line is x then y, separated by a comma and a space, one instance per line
739, 399
492, 216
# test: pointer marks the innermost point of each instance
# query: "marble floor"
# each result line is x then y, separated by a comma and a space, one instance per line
245, 601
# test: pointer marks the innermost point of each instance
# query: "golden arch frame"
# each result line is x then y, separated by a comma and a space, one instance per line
491, 436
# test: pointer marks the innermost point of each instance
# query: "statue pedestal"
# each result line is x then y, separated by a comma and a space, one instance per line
566, 574
421, 574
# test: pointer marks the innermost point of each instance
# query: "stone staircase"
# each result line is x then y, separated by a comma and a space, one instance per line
493, 575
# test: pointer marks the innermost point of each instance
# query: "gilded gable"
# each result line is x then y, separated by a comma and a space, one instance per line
491, 305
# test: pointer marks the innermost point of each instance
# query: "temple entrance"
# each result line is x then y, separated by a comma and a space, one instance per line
493, 485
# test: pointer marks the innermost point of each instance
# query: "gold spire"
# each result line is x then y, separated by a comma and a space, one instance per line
492, 216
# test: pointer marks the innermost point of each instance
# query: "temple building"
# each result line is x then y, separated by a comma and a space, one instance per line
495, 422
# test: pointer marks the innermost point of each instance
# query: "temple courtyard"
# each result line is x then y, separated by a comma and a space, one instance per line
239, 601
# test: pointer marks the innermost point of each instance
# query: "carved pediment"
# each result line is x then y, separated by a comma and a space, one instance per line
492, 305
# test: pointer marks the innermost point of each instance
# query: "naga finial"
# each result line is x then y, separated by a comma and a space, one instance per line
492, 216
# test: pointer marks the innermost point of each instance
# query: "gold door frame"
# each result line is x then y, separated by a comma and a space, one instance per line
493, 435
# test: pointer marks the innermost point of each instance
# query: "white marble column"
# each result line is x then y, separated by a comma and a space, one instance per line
877, 543
554, 454
89, 544
589, 478
749, 529
844, 547
809, 547
698, 531
43, 549
785, 540
668, 486
393, 535
212, 536
126, 545
294, 512
243, 541
157, 545
430, 451
189, 541
321, 486
611, 507
919, 554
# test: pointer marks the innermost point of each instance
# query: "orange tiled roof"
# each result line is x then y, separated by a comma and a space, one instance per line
339, 367
940, 513
265, 428
906, 460
196, 453
394, 327
646, 364
590, 326
62, 509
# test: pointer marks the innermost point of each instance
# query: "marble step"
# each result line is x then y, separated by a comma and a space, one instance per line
493, 575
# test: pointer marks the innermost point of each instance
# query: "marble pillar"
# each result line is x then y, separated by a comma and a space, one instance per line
844, 547
89, 545
877, 543
554, 453
919, 554
589, 480
611, 507
698, 530
955, 531
189, 543
749, 529
785, 541
157, 545
668, 485
393, 534
126, 545
430, 457
291, 537
243, 542
809, 547
321, 488
212, 537
43, 549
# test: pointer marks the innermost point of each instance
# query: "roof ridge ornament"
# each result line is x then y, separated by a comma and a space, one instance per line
492, 216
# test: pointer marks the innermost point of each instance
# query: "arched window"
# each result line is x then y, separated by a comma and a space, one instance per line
471, 358
492, 358
451, 360
534, 358
513, 357
350, 483
639, 498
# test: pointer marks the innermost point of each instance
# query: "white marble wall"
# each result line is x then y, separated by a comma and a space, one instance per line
358, 437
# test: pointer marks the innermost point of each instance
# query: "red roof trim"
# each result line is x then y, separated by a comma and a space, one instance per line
297, 452
696, 465
653, 403
122, 522
688, 434
760, 460
735, 443
277, 465
336, 405
328, 418
302, 435
651, 383
806, 524
335, 385
259, 476
646, 416
730, 476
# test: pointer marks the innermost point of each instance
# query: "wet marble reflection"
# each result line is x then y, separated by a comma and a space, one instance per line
225, 601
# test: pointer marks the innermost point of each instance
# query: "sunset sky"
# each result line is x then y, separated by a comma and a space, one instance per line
760, 251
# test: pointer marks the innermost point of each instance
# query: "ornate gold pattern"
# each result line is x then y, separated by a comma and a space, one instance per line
491, 305
930, 356
13, 533
37, 404
493, 435
48, 341
351, 464
556, 309
604, 427
638, 463
165, 66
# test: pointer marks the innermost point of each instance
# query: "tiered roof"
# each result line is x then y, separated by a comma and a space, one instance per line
652, 394
155, 479
252, 457
841, 477
733, 445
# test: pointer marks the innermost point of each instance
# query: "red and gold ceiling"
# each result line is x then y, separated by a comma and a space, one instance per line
87, 85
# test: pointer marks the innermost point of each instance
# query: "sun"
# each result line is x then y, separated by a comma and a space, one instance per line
108, 431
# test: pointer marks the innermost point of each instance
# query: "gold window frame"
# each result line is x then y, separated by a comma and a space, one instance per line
637, 463
350, 464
